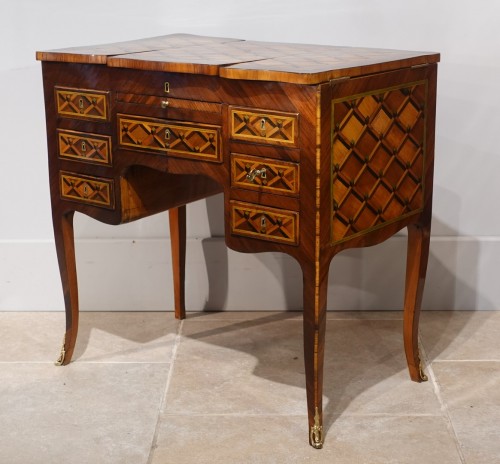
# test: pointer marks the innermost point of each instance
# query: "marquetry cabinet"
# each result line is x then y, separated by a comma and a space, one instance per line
316, 149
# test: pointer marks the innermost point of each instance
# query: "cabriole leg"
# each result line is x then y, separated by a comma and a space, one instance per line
315, 290
416, 266
65, 248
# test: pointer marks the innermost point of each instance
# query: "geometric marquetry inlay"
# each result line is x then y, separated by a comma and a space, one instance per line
177, 138
272, 224
82, 104
378, 153
275, 176
264, 127
80, 146
95, 191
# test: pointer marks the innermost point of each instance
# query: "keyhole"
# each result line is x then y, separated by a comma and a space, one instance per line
80, 103
84, 146
85, 191
263, 223
167, 134
263, 124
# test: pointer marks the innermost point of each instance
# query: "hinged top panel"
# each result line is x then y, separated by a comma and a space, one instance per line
239, 59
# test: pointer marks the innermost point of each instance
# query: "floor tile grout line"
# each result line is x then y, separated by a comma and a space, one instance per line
338, 415
165, 392
78, 363
465, 360
444, 406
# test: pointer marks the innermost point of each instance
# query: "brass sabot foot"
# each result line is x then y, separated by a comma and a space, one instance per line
316, 433
62, 355
421, 372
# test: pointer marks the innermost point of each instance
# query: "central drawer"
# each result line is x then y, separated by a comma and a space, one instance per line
175, 138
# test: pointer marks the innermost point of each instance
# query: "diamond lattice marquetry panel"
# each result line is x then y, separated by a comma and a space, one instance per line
89, 148
91, 190
82, 104
264, 127
377, 159
275, 225
264, 174
185, 140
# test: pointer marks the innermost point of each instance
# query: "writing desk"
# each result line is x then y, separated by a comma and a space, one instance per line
316, 148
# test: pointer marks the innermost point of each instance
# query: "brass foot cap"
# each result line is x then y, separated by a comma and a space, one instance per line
316, 433
62, 355
421, 373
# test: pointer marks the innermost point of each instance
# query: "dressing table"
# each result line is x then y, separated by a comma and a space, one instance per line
316, 149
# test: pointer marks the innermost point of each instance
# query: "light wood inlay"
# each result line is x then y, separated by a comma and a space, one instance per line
82, 104
280, 177
377, 158
185, 140
275, 225
264, 126
94, 191
88, 148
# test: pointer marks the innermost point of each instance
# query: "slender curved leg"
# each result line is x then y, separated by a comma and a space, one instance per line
65, 248
315, 290
177, 218
416, 267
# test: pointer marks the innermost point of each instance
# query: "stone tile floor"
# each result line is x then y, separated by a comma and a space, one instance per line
229, 388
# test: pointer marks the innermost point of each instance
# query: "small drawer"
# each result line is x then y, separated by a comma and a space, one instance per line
183, 140
82, 104
167, 103
275, 225
263, 174
88, 148
96, 191
264, 126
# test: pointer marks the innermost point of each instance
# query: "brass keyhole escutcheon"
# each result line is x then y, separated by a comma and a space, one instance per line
167, 134
167, 87
80, 103
85, 190
84, 146
263, 224
263, 126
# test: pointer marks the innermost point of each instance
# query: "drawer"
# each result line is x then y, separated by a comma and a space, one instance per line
264, 126
183, 140
88, 148
96, 191
272, 224
82, 104
166, 102
263, 174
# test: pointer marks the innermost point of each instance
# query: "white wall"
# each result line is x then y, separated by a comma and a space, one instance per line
466, 228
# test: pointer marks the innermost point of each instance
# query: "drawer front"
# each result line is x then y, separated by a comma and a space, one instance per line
88, 148
263, 174
264, 126
166, 102
184, 140
94, 191
275, 225
82, 104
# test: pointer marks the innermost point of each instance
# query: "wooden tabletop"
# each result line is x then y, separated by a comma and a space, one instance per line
240, 59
